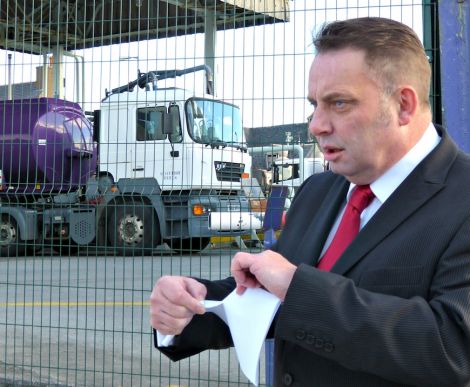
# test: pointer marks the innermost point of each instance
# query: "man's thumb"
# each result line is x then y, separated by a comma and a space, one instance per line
199, 292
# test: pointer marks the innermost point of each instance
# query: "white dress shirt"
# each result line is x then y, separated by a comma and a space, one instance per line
384, 186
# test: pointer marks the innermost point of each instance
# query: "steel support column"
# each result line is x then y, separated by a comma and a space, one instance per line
210, 42
454, 25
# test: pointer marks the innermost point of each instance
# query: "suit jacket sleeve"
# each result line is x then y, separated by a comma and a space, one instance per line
203, 332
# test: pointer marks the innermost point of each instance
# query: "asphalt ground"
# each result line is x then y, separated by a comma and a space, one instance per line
83, 321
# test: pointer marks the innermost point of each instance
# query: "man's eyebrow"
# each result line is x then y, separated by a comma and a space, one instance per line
335, 95
331, 97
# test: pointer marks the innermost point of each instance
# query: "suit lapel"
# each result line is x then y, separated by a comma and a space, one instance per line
420, 186
311, 244
407, 199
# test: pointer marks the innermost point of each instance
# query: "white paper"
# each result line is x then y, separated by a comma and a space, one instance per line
249, 317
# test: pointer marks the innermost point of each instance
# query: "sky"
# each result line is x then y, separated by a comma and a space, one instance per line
261, 69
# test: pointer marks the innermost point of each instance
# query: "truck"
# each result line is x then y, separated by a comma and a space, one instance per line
152, 166
285, 165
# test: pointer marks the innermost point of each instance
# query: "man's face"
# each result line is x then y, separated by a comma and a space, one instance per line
355, 124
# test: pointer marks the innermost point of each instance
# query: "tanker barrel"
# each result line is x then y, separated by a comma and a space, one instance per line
47, 145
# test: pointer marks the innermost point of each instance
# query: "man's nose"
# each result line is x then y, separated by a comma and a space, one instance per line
319, 123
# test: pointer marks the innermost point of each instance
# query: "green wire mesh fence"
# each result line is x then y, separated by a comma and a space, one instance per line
137, 139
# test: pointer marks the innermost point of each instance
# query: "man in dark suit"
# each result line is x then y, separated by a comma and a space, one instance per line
393, 307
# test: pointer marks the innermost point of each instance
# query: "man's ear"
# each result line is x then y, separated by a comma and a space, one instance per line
408, 103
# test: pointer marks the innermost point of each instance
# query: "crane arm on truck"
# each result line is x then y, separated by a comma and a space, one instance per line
144, 79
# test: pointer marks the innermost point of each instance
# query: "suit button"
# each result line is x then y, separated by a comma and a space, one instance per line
329, 347
300, 334
310, 339
319, 343
287, 379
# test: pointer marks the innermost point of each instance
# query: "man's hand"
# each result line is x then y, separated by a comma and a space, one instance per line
173, 303
267, 269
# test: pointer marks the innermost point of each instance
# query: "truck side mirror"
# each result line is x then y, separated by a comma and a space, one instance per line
172, 120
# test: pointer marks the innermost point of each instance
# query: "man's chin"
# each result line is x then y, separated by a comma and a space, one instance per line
336, 167
340, 169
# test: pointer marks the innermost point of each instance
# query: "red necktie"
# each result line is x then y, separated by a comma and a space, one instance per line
348, 227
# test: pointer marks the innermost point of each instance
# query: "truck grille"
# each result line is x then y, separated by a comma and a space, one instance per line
226, 171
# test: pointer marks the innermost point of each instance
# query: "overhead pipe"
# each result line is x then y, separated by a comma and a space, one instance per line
80, 78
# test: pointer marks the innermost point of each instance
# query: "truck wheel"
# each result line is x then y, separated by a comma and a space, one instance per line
188, 245
133, 228
10, 243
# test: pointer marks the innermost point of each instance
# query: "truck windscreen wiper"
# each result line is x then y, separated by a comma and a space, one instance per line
237, 145
217, 144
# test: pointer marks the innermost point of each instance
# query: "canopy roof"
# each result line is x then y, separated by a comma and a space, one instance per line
38, 26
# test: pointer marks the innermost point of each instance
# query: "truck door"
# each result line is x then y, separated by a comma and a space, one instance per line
155, 155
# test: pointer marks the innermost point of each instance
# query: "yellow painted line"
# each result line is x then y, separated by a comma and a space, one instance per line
228, 239
68, 304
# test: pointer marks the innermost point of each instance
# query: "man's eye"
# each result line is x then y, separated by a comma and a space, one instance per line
340, 104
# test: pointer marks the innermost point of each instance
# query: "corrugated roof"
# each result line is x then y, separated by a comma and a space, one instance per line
42, 25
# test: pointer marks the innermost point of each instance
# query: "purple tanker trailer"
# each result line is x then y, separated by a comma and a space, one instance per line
47, 158
46, 147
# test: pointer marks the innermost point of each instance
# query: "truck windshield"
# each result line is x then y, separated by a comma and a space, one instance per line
214, 122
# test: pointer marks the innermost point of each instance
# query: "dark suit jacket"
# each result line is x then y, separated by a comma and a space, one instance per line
395, 309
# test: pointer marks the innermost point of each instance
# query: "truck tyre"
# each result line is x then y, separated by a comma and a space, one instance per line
10, 243
188, 245
133, 228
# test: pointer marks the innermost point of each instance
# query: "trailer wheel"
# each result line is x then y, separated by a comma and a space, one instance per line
10, 243
188, 245
133, 228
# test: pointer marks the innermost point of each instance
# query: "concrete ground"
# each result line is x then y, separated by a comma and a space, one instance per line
83, 321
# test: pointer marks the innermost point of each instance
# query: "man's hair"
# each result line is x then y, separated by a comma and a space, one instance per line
392, 50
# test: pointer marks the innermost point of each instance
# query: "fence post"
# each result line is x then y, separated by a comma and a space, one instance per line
454, 26
271, 223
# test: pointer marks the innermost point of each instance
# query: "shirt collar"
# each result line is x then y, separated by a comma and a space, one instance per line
384, 186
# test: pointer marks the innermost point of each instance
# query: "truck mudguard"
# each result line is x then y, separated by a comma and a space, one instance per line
26, 220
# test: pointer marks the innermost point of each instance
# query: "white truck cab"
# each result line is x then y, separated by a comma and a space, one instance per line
188, 150
204, 151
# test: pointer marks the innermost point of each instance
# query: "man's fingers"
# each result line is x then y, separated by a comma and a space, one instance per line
186, 293
168, 325
268, 269
198, 291
241, 270
173, 303
240, 289
241, 263
247, 280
